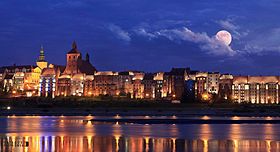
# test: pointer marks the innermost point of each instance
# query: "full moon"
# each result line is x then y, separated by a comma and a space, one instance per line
224, 36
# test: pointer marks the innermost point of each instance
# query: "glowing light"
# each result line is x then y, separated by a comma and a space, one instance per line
117, 138
205, 96
8, 108
235, 118
205, 117
29, 94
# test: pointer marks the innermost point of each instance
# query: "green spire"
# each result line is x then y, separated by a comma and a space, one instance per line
42, 55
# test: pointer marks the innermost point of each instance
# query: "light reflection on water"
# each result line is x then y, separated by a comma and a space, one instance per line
133, 144
74, 134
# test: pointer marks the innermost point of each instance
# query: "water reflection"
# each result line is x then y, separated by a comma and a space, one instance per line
132, 144
65, 134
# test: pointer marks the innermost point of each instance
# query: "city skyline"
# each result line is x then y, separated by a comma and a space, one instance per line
165, 36
83, 53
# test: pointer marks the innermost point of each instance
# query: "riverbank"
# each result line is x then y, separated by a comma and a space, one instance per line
183, 120
111, 107
183, 112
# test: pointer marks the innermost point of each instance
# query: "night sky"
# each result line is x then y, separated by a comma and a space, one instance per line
148, 35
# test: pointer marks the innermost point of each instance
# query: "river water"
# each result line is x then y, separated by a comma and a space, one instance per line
69, 133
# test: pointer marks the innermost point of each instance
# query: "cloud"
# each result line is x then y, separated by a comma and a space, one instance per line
233, 28
264, 41
120, 33
208, 44
228, 25
143, 32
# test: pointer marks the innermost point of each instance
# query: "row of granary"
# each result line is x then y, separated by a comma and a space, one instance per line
80, 78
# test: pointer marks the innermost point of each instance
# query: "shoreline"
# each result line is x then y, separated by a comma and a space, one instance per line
179, 112
182, 121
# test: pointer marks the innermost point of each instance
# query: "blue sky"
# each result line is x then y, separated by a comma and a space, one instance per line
145, 35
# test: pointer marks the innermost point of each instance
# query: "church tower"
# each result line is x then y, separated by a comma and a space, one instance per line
73, 57
41, 62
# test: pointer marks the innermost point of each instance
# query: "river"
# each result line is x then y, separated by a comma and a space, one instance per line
73, 134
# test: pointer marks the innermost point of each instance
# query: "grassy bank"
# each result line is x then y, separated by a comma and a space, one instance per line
99, 102
104, 106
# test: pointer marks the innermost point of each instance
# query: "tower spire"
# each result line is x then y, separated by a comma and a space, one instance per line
41, 62
74, 45
87, 57
42, 54
74, 48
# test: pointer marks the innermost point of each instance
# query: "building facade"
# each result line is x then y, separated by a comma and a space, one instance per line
256, 89
225, 87
48, 80
71, 82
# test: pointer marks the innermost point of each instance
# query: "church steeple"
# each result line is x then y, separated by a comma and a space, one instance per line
42, 55
74, 45
87, 57
41, 62
74, 48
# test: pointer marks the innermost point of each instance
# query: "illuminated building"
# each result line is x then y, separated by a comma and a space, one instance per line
205, 83
48, 80
18, 81
8, 82
225, 86
149, 86
89, 85
105, 83
256, 89
213, 82
31, 81
158, 78
174, 83
125, 86
201, 84
138, 87
22, 78
71, 81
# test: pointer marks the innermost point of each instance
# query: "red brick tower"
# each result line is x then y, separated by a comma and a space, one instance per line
73, 57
